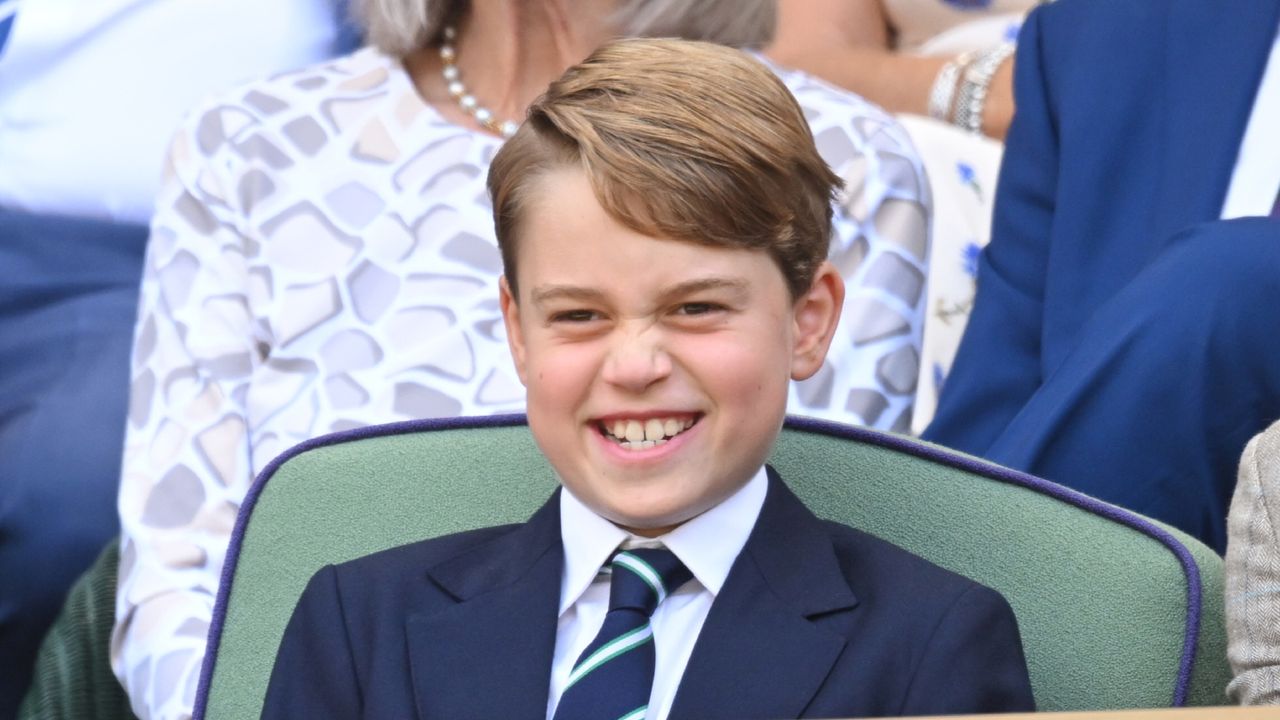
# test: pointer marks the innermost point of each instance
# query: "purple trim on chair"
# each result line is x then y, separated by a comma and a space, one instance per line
939, 454
251, 498
898, 443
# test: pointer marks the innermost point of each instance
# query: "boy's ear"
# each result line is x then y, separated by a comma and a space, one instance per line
816, 315
511, 319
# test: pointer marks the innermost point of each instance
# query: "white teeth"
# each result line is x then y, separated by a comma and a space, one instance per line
635, 432
653, 429
642, 435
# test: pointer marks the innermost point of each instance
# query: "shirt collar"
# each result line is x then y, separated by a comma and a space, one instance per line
707, 544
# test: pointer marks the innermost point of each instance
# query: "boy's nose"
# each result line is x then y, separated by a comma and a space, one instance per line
636, 361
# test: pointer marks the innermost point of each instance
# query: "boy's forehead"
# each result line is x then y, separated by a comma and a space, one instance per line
548, 186
706, 282
571, 247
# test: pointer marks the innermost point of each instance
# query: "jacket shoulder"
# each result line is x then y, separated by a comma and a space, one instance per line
415, 558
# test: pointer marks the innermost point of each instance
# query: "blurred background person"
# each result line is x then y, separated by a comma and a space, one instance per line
910, 56
323, 258
89, 94
1122, 342
945, 68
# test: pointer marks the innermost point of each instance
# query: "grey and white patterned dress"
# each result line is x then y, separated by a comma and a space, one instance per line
322, 258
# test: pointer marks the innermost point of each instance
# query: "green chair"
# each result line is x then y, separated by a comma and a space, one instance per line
73, 678
1116, 611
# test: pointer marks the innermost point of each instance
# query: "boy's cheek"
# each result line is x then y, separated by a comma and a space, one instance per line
557, 373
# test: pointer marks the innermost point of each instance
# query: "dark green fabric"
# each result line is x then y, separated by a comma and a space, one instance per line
1101, 606
73, 678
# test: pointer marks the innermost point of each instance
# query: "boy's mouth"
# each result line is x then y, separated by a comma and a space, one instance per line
633, 434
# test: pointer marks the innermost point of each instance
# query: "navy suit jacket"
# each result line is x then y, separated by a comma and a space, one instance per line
814, 619
1129, 119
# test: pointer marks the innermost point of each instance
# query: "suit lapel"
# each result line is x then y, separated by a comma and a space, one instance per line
490, 655
1216, 55
759, 653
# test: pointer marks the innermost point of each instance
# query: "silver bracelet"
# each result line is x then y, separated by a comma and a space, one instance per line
944, 85
975, 86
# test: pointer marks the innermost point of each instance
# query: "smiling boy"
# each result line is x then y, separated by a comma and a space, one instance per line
663, 218
657, 369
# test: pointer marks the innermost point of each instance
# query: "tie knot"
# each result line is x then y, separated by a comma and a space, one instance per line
643, 577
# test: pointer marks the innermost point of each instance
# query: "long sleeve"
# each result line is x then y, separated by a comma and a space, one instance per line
321, 259
998, 365
1253, 575
880, 245
186, 461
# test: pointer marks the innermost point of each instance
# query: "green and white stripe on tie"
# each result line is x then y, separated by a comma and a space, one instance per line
613, 676
609, 651
646, 572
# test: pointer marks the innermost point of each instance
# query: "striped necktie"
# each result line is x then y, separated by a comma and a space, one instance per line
613, 677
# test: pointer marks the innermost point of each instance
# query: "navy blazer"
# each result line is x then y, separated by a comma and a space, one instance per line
815, 619
1129, 119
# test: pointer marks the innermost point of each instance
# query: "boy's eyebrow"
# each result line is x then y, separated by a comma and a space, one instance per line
547, 293
689, 287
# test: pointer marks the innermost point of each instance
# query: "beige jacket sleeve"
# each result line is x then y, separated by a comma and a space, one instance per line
1253, 574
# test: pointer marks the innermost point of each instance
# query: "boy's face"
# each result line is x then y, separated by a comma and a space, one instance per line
657, 370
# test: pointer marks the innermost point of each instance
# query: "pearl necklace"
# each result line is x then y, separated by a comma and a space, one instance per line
453, 79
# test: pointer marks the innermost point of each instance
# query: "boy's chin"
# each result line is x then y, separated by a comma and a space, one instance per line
653, 521
646, 524
649, 532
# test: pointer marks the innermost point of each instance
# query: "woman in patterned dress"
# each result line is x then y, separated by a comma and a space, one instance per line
323, 258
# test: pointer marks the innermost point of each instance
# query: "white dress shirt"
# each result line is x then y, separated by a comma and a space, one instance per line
1256, 178
707, 545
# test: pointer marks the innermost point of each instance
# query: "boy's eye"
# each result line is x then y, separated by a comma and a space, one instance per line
574, 316
698, 308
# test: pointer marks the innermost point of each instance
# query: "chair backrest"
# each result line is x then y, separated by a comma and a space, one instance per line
1115, 610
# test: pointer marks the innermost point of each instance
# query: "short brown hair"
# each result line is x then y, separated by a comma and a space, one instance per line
679, 139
